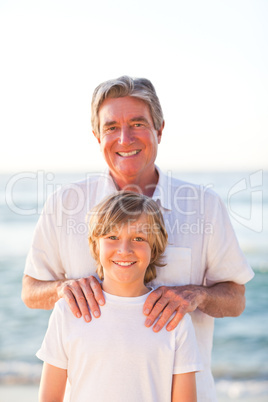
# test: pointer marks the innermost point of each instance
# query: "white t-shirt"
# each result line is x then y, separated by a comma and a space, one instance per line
202, 250
116, 358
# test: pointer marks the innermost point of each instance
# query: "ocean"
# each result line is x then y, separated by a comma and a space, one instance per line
240, 352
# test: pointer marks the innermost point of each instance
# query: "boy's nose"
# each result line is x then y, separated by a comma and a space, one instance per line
124, 247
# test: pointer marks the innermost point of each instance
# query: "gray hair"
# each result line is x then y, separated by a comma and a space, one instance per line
140, 88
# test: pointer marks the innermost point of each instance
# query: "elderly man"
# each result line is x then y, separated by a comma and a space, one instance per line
205, 272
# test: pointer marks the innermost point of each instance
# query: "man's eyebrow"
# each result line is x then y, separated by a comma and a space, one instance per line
139, 119
109, 123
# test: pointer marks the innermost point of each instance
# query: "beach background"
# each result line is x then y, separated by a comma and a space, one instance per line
208, 61
240, 364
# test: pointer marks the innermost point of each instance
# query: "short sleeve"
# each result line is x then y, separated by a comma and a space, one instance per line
187, 357
225, 260
43, 261
52, 350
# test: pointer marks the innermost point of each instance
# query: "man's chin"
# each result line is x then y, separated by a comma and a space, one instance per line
124, 169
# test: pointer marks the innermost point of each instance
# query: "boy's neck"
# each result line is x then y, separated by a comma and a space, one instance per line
124, 290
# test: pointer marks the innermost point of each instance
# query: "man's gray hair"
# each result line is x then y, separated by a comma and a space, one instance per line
140, 88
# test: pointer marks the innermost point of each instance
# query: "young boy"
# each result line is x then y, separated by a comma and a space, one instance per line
116, 358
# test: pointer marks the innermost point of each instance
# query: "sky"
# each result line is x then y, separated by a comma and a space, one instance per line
208, 61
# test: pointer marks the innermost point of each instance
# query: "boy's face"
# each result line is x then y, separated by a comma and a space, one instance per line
125, 254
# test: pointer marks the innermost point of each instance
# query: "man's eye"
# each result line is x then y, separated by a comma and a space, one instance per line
110, 129
137, 125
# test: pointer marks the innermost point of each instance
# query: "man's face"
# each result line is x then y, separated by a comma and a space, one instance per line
128, 139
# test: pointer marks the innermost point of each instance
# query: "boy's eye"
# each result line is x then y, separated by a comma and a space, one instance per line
112, 237
138, 238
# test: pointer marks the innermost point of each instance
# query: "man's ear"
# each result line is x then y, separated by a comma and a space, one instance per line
96, 136
159, 132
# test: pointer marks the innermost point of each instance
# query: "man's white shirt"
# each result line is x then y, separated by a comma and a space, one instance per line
202, 250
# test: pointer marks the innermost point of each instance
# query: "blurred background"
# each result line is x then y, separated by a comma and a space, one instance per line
208, 61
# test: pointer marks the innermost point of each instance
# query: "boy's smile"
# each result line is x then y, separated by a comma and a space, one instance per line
124, 263
125, 254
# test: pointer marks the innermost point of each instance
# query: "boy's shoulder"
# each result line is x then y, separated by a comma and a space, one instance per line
184, 325
61, 307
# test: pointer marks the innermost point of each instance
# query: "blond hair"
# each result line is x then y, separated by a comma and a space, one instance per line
123, 207
140, 88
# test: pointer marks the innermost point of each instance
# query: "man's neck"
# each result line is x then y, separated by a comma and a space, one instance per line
145, 185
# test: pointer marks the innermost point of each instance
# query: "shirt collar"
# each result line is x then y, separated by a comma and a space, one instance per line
106, 187
163, 190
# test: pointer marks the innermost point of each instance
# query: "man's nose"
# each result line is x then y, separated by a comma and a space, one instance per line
126, 136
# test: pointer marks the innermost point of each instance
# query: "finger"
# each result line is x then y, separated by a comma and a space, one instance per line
166, 315
97, 290
89, 302
71, 301
175, 320
81, 300
89, 286
157, 309
151, 300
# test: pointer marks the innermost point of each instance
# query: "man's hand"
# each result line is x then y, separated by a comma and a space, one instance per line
168, 300
83, 296
224, 299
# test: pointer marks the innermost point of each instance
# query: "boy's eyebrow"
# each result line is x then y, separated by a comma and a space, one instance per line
140, 231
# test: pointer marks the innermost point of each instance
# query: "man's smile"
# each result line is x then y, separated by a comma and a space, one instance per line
130, 153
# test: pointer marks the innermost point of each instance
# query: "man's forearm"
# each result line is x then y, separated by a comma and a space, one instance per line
225, 299
39, 294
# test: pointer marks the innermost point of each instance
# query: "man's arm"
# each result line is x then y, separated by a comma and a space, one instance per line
225, 299
79, 294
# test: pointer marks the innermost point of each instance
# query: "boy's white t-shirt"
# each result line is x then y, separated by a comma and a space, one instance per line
115, 357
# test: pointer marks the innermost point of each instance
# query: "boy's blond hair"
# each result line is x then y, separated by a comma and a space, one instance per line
126, 207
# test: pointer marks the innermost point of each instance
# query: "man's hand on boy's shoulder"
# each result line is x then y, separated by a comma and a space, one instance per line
167, 300
83, 296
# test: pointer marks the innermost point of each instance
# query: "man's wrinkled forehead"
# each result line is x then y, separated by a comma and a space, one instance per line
134, 110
